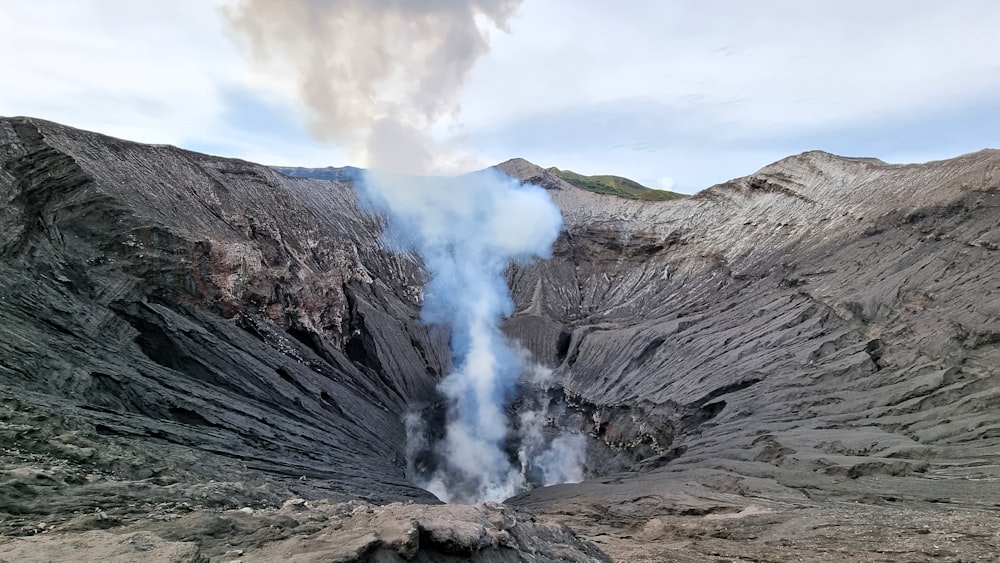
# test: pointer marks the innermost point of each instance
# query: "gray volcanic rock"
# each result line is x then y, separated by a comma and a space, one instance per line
213, 316
304, 531
819, 286
826, 328
802, 363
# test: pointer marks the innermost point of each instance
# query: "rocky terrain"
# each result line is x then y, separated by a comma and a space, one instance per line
203, 359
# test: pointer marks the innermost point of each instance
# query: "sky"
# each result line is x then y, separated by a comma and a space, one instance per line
674, 94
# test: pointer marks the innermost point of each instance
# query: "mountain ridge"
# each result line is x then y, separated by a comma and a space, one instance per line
604, 184
614, 185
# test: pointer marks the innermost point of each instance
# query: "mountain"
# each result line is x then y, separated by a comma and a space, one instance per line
609, 185
206, 359
343, 173
613, 185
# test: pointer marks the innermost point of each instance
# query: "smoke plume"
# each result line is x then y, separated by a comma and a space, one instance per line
373, 74
468, 229
377, 75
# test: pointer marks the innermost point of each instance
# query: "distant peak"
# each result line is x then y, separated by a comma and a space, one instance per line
823, 156
517, 167
531, 173
617, 186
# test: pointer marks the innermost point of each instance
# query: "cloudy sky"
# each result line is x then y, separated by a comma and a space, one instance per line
682, 94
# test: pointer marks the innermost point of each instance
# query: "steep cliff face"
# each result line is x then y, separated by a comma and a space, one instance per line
184, 333
211, 307
820, 285
826, 328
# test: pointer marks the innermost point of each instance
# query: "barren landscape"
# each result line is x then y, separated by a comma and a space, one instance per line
204, 359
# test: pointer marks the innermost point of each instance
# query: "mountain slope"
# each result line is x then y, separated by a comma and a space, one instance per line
191, 346
613, 185
826, 328
211, 304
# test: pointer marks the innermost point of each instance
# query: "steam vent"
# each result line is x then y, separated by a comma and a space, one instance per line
205, 359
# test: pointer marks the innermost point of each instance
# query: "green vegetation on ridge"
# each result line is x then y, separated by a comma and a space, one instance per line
614, 185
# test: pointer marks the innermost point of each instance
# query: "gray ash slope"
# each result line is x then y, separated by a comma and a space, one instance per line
212, 305
191, 346
183, 332
822, 300
823, 333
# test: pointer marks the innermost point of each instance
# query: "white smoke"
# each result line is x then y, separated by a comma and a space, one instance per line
416, 441
468, 229
562, 461
547, 455
373, 74
467, 468
377, 75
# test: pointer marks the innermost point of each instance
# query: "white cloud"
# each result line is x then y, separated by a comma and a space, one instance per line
135, 69
767, 65
154, 72
733, 84
665, 183
714, 85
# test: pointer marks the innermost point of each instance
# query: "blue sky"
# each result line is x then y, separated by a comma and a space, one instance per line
683, 93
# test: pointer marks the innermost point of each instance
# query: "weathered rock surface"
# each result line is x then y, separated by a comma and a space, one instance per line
802, 363
303, 531
212, 318
824, 330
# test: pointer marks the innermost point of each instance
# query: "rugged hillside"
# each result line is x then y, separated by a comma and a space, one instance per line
191, 346
613, 185
199, 302
825, 329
